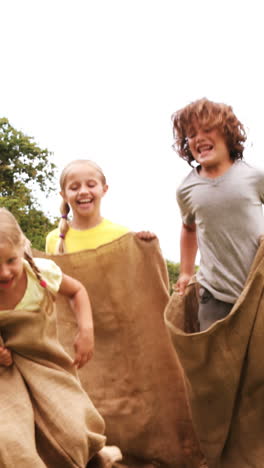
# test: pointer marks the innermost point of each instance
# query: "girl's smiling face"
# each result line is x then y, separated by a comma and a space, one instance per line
83, 191
11, 266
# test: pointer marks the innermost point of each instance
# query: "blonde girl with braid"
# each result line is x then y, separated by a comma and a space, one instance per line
83, 186
42, 372
17, 265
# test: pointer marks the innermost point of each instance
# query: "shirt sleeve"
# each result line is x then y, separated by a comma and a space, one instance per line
51, 242
261, 186
187, 215
50, 272
47, 244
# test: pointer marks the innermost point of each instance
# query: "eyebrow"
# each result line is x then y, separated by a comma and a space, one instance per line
87, 180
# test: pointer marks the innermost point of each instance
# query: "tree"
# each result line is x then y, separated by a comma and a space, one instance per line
173, 271
22, 159
24, 168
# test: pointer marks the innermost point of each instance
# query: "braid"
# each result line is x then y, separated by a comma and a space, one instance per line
63, 226
33, 266
35, 269
12, 233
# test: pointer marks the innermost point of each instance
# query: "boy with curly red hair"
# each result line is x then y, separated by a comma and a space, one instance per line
221, 206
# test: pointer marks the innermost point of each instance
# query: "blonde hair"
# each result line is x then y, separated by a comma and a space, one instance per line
11, 232
65, 207
214, 115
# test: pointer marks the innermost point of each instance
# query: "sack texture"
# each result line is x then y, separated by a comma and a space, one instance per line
47, 420
134, 378
225, 372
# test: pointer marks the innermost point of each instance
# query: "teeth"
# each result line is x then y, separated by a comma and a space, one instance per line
85, 201
204, 148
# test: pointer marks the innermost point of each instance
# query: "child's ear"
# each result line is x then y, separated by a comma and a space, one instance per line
105, 188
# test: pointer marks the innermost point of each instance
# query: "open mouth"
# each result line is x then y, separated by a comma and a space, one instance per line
6, 283
85, 201
204, 149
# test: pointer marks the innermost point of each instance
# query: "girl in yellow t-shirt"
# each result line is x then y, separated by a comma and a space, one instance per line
83, 185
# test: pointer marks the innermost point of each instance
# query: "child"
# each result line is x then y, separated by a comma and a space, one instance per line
83, 185
221, 206
44, 389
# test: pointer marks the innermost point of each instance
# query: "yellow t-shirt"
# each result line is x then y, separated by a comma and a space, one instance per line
76, 240
50, 272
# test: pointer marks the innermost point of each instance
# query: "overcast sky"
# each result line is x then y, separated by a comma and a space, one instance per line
100, 79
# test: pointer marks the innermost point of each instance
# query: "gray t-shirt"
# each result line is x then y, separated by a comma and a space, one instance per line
227, 211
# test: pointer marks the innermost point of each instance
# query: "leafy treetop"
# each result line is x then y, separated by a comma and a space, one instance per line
23, 166
21, 160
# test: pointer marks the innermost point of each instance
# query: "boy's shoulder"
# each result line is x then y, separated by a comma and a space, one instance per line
246, 168
188, 180
191, 174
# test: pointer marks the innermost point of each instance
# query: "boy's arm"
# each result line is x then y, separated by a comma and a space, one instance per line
81, 307
188, 254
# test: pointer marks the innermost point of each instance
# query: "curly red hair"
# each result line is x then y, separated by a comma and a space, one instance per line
208, 114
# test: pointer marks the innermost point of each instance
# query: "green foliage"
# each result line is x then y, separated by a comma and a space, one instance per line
22, 161
23, 168
173, 271
33, 221
36, 226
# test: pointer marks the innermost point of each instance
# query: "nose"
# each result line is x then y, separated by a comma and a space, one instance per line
4, 272
83, 189
200, 134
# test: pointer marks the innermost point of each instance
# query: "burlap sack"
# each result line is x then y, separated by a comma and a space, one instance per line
225, 373
134, 378
41, 389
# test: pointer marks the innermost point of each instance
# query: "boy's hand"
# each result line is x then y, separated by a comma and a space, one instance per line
146, 235
182, 283
5, 357
83, 346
